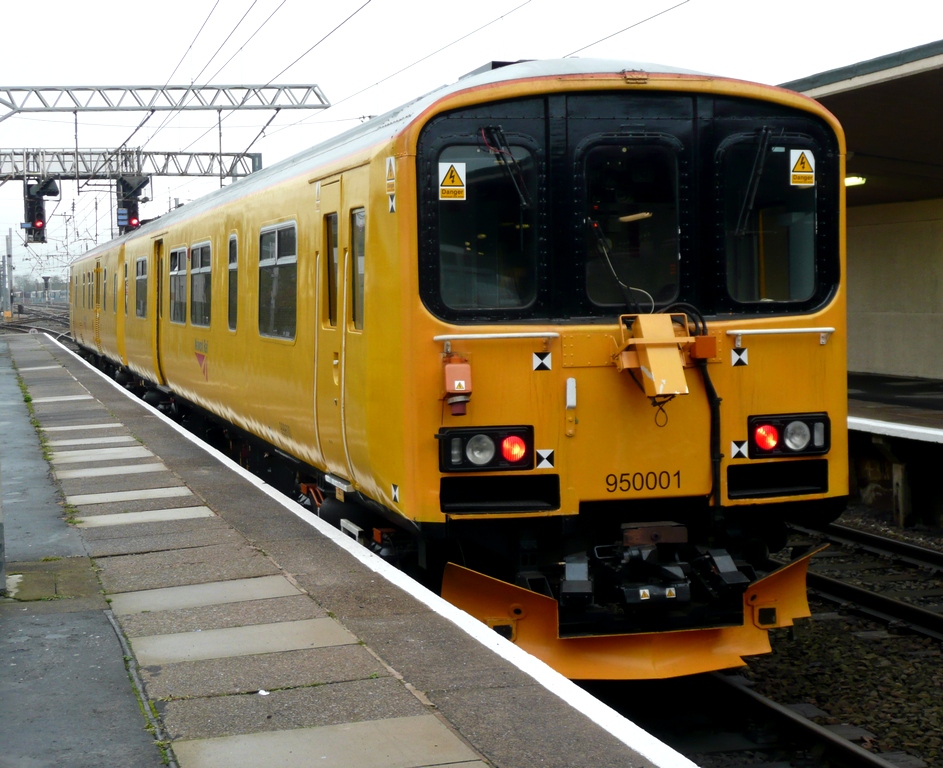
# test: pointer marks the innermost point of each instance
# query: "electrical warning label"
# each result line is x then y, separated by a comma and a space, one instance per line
451, 181
802, 162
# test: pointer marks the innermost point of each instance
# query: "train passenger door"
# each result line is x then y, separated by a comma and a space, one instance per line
159, 308
96, 307
329, 366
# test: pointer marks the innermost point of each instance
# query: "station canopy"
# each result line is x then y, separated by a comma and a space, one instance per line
892, 111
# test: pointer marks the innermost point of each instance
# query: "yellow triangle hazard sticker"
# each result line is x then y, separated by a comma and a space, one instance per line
452, 178
802, 164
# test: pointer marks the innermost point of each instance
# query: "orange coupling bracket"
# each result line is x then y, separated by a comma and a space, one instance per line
458, 384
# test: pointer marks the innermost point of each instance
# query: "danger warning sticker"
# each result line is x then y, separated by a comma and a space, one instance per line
390, 175
451, 181
802, 168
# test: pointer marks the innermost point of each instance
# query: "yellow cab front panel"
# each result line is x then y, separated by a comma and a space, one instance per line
632, 298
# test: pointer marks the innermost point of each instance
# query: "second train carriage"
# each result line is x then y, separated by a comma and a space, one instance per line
575, 327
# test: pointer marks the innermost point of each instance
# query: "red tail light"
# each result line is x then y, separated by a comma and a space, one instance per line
767, 437
513, 448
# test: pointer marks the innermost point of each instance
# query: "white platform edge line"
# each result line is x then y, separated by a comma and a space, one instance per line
603, 715
894, 429
73, 427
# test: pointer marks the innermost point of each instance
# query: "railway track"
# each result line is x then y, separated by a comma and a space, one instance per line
719, 721
50, 319
894, 582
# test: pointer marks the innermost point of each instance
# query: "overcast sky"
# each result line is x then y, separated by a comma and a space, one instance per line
363, 42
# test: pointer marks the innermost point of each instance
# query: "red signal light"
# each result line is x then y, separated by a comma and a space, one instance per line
513, 448
767, 437
39, 224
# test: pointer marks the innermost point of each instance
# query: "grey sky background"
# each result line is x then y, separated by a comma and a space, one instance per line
350, 48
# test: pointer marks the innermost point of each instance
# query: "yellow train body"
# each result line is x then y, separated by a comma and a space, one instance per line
351, 380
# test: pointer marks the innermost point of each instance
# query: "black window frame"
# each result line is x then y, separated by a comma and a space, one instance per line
140, 287
276, 313
232, 285
201, 271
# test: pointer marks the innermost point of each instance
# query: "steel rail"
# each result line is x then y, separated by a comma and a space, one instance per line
886, 609
840, 750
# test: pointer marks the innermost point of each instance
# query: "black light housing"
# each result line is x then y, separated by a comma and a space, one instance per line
789, 434
486, 449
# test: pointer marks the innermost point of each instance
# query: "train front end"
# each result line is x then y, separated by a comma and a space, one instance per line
632, 300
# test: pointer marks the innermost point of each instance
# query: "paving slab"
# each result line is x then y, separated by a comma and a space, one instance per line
57, 578
177, 534
265, 611
87, 455
202, 595
117, 483
85, 426
267, 671
240, 641
174, 568
123, 469
115, 497
141, 505
305, 707
372, 744
146, 516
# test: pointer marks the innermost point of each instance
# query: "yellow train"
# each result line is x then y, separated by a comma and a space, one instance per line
575, 328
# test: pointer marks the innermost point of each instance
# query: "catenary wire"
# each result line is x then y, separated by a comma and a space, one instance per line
271, 80
631, 26
189, 96
400, 71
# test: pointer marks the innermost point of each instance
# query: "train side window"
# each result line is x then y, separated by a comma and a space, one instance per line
104, 289
125, 290
84, 291
278, 281
333, 265
358, 220
178, 285
233, 282
140, 287
114, 297
200, 285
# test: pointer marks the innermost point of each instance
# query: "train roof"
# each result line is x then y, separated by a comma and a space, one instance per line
383, 128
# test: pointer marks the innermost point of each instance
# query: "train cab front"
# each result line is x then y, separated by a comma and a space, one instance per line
636, 298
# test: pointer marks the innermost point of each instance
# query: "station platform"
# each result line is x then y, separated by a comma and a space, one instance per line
165, 607
896, 406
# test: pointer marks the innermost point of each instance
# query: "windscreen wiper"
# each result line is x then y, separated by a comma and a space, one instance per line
496, 143
754, 184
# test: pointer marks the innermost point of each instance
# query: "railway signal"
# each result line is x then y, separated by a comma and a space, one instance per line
128, 189
34, 204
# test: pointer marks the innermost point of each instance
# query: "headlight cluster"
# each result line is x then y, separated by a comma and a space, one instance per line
789, 434
478, 449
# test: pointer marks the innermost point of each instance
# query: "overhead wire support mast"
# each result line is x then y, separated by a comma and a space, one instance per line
137, 98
